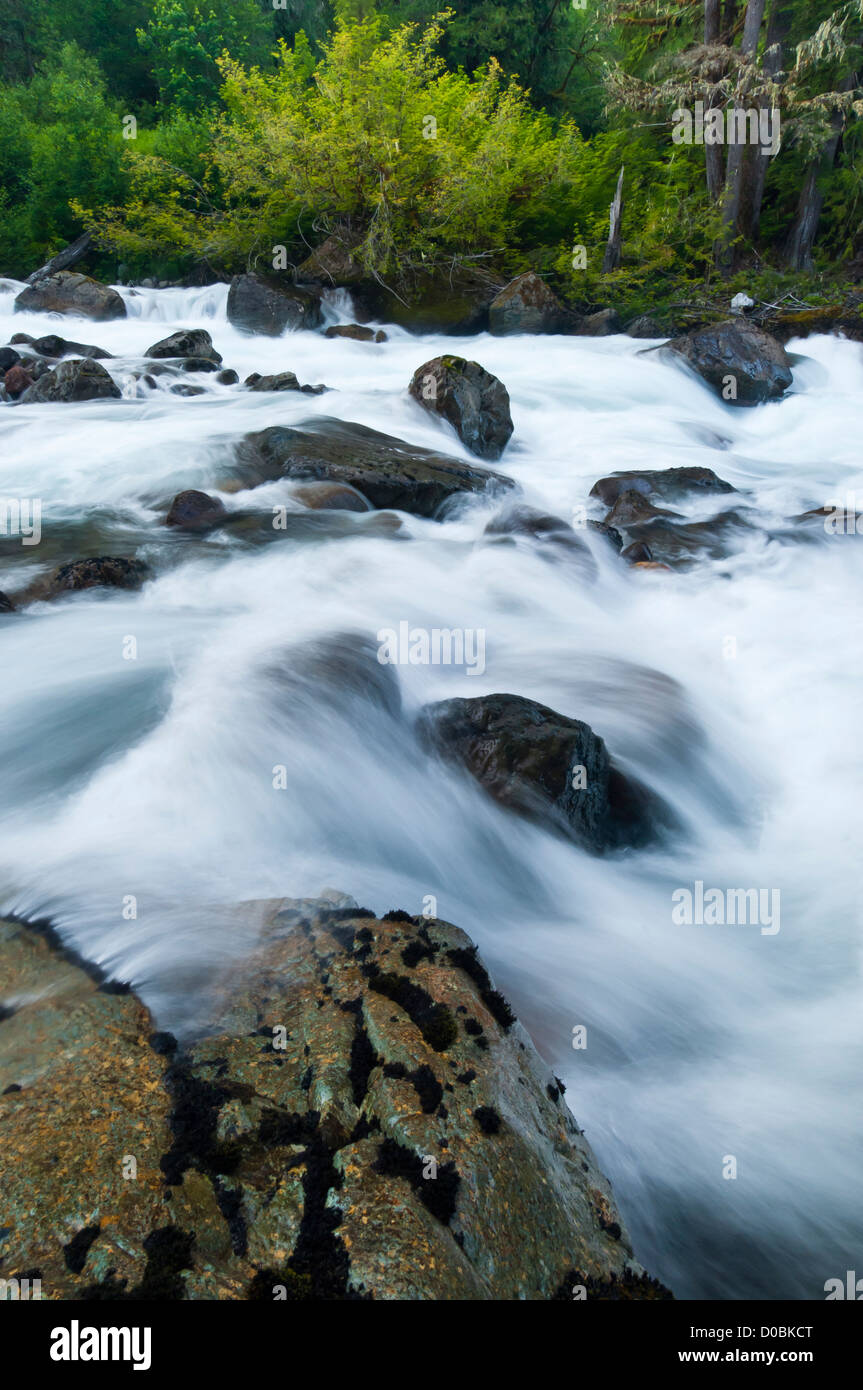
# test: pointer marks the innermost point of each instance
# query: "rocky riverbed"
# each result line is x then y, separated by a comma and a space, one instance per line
529, 629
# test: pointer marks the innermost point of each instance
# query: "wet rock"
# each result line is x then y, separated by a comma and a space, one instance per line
183, 388
332, 497
357, 331
546, 767
74, 379
600, 325
473, 401
631, 507
363, 1118
228, 377
195, 511
6, 604
67, 292
670, 484
53, 346
281, 381
637, 553
673, 543
8, 358
388, 471
262, 306
743, 364
555, 535
16, 381
198, 364
105, 571
602, 528
527, 305
187, 342
645, 327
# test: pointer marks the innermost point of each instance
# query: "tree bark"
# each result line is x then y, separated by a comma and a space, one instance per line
742, 159
70, 255
801, 239
714, 157
611, 260
778, 29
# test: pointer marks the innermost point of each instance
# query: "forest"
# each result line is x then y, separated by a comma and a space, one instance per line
202, 137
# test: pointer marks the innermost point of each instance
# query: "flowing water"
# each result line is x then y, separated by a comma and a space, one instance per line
146, 770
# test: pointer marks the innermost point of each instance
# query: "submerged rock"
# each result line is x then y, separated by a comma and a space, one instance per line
76, 379
105, 571
473, 401
364, 1118
67, 292
263, 306
668, 483
554, 535
53, 346
545, 766
357, 331
743, 364
390, 472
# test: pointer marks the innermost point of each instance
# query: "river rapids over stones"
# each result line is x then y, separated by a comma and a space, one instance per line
145, 769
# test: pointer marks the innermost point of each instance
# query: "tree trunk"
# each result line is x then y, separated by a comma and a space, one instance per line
801, 239
729, 20
778, 29
742, 160
70, 255
611, 259
713, 154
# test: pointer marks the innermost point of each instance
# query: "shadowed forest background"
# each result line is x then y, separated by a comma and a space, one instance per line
489, 135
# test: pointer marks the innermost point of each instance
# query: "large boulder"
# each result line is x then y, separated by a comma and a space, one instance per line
473, 401
74, 379
744, 365
362, 1118
67, 292
263, 306
527, 305
546, 767
187, 342
388, 471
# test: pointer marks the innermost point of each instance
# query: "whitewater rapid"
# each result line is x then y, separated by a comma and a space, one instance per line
153, 777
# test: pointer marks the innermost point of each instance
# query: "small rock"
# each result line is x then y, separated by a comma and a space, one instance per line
74, 379
195, 511
228, 377
357, 331
106, 571
16, 381
187, 342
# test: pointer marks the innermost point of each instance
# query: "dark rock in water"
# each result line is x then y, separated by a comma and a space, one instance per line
67, 292
53, 346
388, 471
199, 364
281, 381
743, 364
552, 531
681, 543
357, 331
74, 379
106, 571
603, 324
332, 497
602, 528
292, 1137
17, 380
447, 299
631, 507
527, 305
187, 342
8, 358
6, 604
545, 766
473, 401
637, 553
228, 377
262, 306
184, 388
667, 483
195, 511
